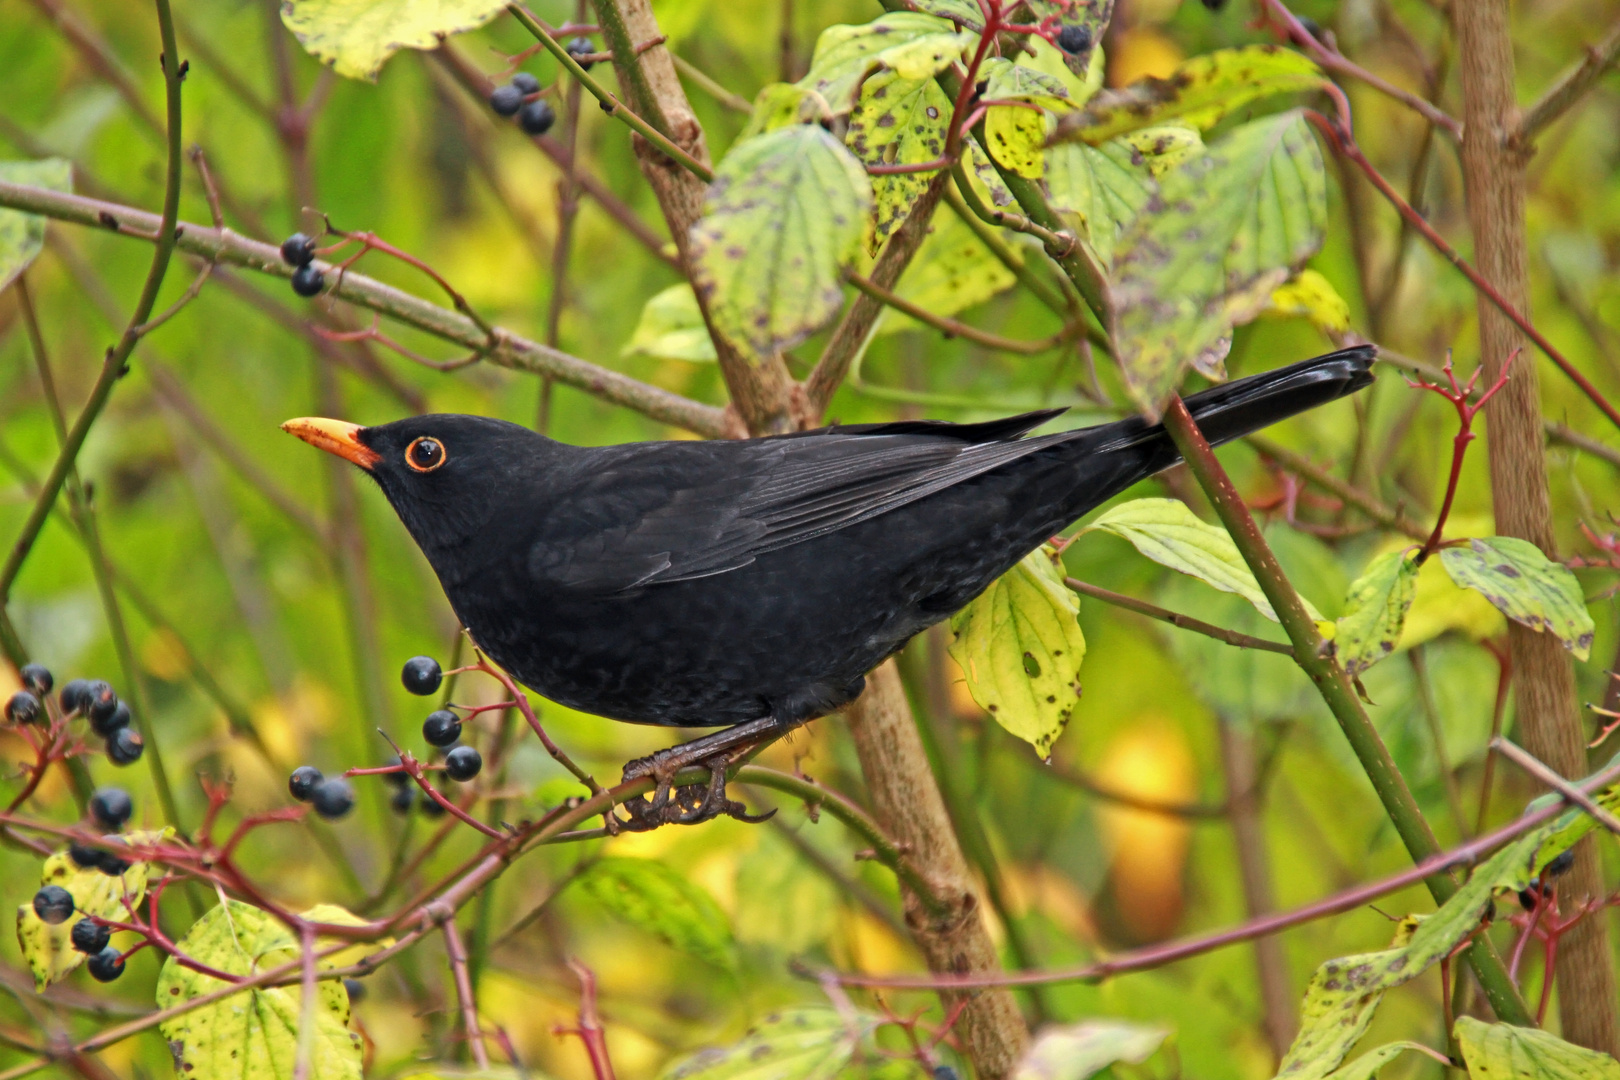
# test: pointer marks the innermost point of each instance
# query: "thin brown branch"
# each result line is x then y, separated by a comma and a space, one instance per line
1322, 478
953, 328
1185, 622
735, 102
513, 351
1570, 87
457, 953
1530, 764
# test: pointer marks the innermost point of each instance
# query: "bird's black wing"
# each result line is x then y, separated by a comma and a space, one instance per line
667, 512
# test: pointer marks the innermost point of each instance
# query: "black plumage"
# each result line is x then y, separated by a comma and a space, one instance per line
700, 584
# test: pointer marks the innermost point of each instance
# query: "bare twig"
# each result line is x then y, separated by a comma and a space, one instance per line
1185, 622
457, 954
735, 102
1529, 763
1570, 87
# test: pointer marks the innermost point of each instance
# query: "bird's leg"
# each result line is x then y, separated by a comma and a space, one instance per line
692, 803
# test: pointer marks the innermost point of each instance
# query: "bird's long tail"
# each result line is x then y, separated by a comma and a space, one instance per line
1237, 408
1130, 450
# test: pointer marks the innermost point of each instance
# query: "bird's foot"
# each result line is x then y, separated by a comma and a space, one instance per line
688, 804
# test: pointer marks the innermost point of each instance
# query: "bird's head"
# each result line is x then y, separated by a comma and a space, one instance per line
446, 474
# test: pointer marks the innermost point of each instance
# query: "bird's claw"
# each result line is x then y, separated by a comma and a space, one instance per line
689, 804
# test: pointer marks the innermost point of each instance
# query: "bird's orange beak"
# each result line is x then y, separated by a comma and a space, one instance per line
335, 437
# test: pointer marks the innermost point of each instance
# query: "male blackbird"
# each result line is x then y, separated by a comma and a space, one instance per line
753, 582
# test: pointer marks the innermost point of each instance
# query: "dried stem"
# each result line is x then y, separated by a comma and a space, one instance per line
1184, 622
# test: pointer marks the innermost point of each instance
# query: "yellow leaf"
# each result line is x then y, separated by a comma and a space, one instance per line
1312, 296
1015, 135
357, 36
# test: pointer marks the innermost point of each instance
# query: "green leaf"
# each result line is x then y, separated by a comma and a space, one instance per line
357, 36
1016, 136
784, 216
951, 272
1163, 147
797, 1044
912, 45
1504, 1052
1228, 227
650, 896
1020, 646
982, 174
252, 1035
1103, 186
1171, 535
22, 236
49, 949
1077, 1051
779, 105
1202, 91
671, 328
1310, 295
1526, 586
1007, 81
1345, 993
1368, 1065
898, 121
1081, 83
1374, 611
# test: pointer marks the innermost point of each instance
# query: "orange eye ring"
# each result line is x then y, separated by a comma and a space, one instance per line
425, 454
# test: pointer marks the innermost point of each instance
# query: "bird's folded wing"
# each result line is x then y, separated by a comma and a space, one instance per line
731, 504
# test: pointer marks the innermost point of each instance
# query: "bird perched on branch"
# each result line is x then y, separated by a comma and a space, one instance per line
753, 583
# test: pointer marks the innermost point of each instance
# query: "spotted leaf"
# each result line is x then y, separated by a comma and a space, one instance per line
252, 1035
1226, 229
1201, 92
1104, 187
898, 121
784, 216
1375, 610
913, 45
1504, 1052
49, 949
1007, 81
1015, 135
1526, 586
1020, 646
356, 37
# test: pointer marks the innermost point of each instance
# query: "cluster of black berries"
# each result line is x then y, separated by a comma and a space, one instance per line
1073, 39
331, 798
110, 808
1541, 885
442, 728
93, 699
299, 251
517, 98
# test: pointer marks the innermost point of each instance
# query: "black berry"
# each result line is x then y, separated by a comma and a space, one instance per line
1310, 27
303, 782
24, 708
356, 990
308, 280
90, 937
536, 118
431, 807
463, 763
1215, 5
37, 677
111, 807
1074, 39
120, 718
400, 779
441, 728
100, 702
75, 696
125, 746
53, 904
579, 48
944, 1072
421, 675
1560, 864
506, 100
106, 965
402, 800
298, 249
526, 82
333, 798
84, 856
108, 863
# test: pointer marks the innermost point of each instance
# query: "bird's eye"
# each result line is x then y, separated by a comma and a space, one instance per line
425, 454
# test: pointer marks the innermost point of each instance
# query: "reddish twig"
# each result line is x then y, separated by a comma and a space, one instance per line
1466, 411
589, 1028
457, 953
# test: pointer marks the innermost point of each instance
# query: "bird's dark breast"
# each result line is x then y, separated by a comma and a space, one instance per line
788, 635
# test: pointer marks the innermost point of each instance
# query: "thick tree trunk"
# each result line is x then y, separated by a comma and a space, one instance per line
908, 805
1543, 676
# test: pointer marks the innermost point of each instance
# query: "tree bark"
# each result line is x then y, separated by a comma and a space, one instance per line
1544, 678
761, 391
907, 802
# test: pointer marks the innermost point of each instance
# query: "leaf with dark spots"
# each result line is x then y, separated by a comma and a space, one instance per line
1523, 584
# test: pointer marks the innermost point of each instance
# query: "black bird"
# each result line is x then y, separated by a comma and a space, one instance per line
754, 583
